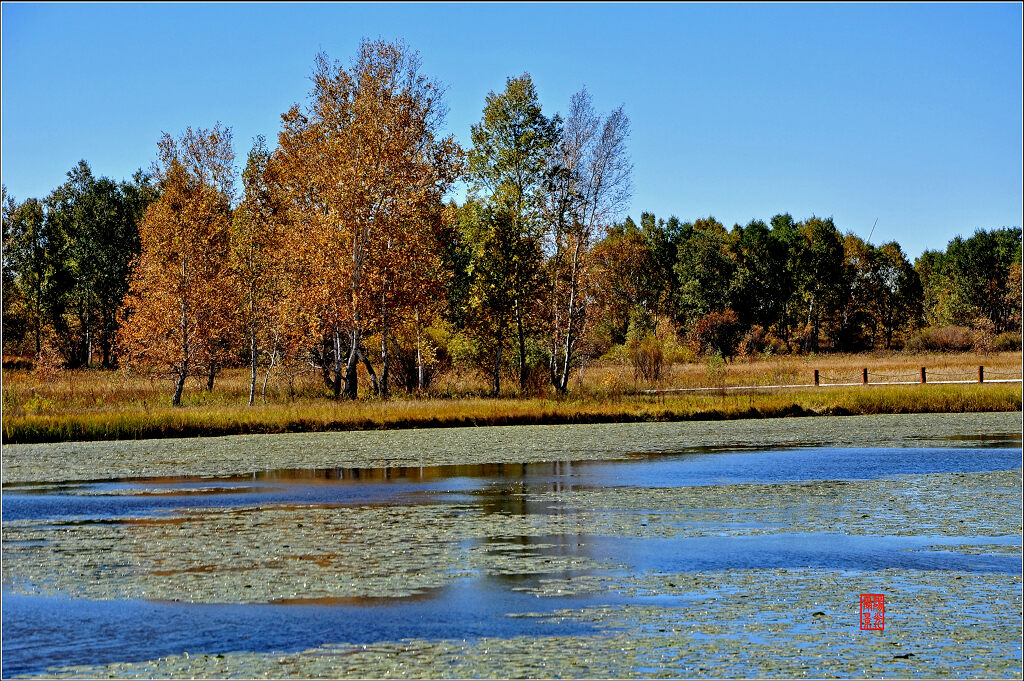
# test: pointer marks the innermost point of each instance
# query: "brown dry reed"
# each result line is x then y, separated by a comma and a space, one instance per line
53, 405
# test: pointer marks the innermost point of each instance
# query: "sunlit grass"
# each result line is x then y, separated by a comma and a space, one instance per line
89, 405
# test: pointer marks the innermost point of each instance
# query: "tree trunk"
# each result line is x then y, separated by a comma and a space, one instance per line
105, 352
185, 348
563, 384
374, 382
252, 369
496, 373
210, 376
382, 387
266, 377
336, 359
88, 339
351, 375
811, 341
179, 385
419, 355
522, 346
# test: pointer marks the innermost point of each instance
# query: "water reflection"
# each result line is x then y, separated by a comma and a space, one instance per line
494, 488
499, 571
39, 632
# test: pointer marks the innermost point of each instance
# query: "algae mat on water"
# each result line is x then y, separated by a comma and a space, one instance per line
240, 454
804, 626
284, 552
953, 607
773, 622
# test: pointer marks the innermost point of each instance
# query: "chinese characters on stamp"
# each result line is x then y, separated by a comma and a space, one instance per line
872, 612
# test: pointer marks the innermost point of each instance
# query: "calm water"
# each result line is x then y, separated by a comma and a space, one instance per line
411, 485
42, 631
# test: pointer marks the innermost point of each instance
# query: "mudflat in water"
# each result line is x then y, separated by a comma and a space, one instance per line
667, 561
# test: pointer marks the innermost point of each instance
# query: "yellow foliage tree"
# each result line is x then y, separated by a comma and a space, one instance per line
364, 173
179, 310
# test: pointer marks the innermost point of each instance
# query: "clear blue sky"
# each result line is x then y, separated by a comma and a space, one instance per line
909, 113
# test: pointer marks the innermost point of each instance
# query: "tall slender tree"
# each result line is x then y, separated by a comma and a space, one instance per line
820, 276
705, 268
622, 263
588, 185
507, 166
180, 300
255, 260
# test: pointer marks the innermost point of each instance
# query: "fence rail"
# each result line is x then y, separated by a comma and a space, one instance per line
821, 380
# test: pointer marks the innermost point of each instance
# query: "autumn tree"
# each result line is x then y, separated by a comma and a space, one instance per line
785, 233
364, 170
977, 272
496, 254
507, 166
255, 262
1014, 296
587, 184
930, 268
662, 239
180, 307
622, 264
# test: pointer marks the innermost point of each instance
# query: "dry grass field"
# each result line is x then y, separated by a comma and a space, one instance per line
54, 405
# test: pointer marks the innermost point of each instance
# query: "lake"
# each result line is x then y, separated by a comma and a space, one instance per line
635, 550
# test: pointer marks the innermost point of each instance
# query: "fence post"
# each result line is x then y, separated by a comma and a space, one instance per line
816, 377
865, 376
981, 374
924, 375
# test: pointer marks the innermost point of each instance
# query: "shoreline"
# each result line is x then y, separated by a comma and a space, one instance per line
316, 417
247, 454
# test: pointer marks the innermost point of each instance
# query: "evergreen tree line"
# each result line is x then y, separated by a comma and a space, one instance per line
339, 252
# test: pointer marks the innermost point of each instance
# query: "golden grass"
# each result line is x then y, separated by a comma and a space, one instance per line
92, 404
799, 369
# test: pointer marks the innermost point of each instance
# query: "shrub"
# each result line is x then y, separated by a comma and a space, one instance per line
945, 339
715, 370
465, 352
754, 341
1007, 342
18, 364
648, 356
716, 332
674, 352
616, 354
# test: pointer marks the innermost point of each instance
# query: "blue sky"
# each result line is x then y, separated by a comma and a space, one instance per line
910, 114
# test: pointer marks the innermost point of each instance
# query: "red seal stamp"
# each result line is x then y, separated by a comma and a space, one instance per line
872, 612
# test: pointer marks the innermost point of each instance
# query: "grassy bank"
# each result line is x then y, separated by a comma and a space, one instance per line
306, 417
98, 405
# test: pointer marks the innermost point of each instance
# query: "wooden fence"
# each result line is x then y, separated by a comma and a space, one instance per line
865, 378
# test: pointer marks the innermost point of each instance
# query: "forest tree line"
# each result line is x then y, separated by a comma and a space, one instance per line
339, 251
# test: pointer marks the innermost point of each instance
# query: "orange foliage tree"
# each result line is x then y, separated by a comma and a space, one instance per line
179, 309
363, 173
257, 274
